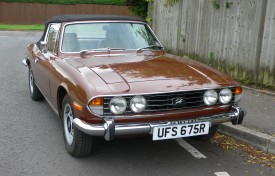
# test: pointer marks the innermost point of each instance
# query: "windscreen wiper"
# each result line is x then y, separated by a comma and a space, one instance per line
149, 47
99, 50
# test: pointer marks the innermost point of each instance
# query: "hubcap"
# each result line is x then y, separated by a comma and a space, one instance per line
31, 82
68, 124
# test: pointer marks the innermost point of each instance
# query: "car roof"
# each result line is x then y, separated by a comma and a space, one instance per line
86, 17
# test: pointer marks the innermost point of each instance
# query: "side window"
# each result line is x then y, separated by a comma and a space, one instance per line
52, 37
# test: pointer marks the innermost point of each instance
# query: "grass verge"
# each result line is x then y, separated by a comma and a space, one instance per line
32, 27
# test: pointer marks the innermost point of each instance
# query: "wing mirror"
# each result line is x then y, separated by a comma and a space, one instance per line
43, 45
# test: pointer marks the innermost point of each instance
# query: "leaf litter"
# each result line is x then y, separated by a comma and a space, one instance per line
254, 155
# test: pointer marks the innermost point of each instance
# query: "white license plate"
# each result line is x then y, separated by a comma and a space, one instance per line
180, 130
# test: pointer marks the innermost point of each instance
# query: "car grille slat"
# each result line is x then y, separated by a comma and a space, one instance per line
167, 101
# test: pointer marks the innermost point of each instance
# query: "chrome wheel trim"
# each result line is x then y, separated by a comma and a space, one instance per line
31, 79
68, 124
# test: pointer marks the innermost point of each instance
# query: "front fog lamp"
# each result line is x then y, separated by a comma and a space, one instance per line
210, 97
225, 96
138, 104
118, 105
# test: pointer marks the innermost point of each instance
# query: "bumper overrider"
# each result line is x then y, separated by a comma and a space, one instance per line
109, 129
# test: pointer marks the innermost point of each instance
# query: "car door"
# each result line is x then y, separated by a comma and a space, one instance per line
44, 59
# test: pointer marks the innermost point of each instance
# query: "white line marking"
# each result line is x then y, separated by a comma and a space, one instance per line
190, 149
221, 174
3, 36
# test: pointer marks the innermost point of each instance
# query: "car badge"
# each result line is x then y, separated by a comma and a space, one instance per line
178, 101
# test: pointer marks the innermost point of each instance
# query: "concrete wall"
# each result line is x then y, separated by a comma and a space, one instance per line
240, 37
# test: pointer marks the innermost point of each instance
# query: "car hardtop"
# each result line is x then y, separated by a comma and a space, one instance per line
87, 17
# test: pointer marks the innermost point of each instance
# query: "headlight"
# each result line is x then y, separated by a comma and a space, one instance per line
138, 104
210, 97
225, 96
118, 105
96, 106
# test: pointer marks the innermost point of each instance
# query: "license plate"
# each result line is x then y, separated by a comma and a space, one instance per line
180, 130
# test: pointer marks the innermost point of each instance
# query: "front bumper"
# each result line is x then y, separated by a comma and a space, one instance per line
109, 129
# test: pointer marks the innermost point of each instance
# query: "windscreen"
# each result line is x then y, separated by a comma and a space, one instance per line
89, 36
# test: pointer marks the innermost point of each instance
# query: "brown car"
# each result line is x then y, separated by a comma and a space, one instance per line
110, 76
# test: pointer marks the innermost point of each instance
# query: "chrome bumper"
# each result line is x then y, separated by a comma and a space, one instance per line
109, 129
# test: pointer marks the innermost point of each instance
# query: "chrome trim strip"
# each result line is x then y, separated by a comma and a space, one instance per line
25, 62
94, 130
173, 91
109, 127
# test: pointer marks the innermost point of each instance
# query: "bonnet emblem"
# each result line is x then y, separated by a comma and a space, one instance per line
178, 101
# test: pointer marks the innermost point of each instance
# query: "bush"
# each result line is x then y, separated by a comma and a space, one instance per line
139, 7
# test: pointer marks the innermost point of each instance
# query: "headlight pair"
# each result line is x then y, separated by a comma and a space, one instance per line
118, 105
211, 97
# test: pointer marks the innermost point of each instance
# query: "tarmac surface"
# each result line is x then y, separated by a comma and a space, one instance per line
258, 128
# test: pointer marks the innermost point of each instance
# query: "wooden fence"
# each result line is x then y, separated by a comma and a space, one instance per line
37, 13
237, 36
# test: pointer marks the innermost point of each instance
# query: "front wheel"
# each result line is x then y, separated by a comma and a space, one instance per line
77, 143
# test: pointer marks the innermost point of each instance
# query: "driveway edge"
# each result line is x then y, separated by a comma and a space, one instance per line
257, 139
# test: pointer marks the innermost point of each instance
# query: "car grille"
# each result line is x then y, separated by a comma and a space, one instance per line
167, 101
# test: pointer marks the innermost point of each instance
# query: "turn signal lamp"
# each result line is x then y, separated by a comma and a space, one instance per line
238, 94
77, 106
238, 90
97, 102
96, 106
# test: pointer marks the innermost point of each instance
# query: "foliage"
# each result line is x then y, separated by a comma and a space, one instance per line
148, 20
170, 3
21, 27
228, 4
211, 58
251, 154
216, 4
107, 2
139, 7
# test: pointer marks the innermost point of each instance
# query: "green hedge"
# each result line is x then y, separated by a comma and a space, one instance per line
103, 2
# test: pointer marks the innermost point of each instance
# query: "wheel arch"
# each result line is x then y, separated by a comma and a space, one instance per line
61, 92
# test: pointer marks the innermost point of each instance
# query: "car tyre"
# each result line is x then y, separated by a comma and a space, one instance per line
35, 93
77, 143
212, 132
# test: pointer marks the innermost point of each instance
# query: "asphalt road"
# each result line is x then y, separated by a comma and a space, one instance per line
261, 111
31, 141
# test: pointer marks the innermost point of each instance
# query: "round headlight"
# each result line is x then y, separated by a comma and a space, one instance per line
118, 105
138, 104
225, 96
210, 97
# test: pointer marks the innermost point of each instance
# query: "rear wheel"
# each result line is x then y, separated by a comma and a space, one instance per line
35, 93
77, 143
212, 132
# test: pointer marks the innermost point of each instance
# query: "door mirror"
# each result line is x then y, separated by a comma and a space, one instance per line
43, 46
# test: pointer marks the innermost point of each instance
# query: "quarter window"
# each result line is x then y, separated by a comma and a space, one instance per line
52, 37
